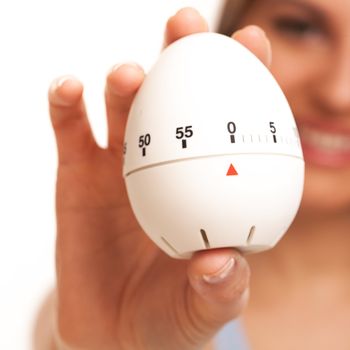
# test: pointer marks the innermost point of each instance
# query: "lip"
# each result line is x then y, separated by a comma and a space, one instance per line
325, 144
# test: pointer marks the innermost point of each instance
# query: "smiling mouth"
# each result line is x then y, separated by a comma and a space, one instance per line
325, 148
325, 141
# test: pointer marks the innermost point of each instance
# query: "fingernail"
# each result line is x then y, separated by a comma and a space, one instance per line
269, 55
59, 98
237, 33
118, 65
57, 83
257, 32
260, 31
245, 296
220, 274
187, 10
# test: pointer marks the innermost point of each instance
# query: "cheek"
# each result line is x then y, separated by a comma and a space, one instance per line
296, 63
293, 70
326, 191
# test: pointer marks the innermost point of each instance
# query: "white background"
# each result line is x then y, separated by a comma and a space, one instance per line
39, 40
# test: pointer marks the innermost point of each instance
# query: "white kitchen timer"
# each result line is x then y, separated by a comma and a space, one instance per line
212, 156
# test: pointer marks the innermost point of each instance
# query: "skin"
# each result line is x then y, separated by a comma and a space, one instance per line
299, 290
115, 288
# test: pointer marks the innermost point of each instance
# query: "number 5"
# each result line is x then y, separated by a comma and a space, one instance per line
272, 127
188, 131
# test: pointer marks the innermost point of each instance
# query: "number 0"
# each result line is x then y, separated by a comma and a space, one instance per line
231, 127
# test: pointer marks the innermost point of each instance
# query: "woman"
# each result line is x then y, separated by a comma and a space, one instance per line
116, 290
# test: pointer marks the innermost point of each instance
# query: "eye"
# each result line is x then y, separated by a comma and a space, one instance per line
295, 26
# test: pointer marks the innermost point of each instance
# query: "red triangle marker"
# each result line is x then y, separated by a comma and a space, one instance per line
231, 171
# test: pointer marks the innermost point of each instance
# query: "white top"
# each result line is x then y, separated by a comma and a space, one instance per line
231, 337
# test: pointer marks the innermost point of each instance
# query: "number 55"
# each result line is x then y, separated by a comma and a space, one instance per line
182, 132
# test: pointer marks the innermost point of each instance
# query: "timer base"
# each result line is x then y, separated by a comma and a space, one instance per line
243, 200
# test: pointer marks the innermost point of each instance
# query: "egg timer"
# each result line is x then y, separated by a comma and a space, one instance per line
212, 155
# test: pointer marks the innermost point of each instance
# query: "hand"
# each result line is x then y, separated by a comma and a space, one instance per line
115, 288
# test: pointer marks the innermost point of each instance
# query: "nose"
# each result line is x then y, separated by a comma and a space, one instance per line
333, 91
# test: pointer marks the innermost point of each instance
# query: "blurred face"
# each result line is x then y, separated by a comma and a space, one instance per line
311, 61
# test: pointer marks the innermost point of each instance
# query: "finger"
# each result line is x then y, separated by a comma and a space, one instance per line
220, 282
122, 84
185, 22
255, 39
73, 133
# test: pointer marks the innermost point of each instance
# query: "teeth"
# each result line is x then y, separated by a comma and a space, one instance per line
326, 141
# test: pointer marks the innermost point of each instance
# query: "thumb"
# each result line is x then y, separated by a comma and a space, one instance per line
220, 287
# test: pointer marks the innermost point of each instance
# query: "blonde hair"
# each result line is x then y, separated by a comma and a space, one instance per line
230, 15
